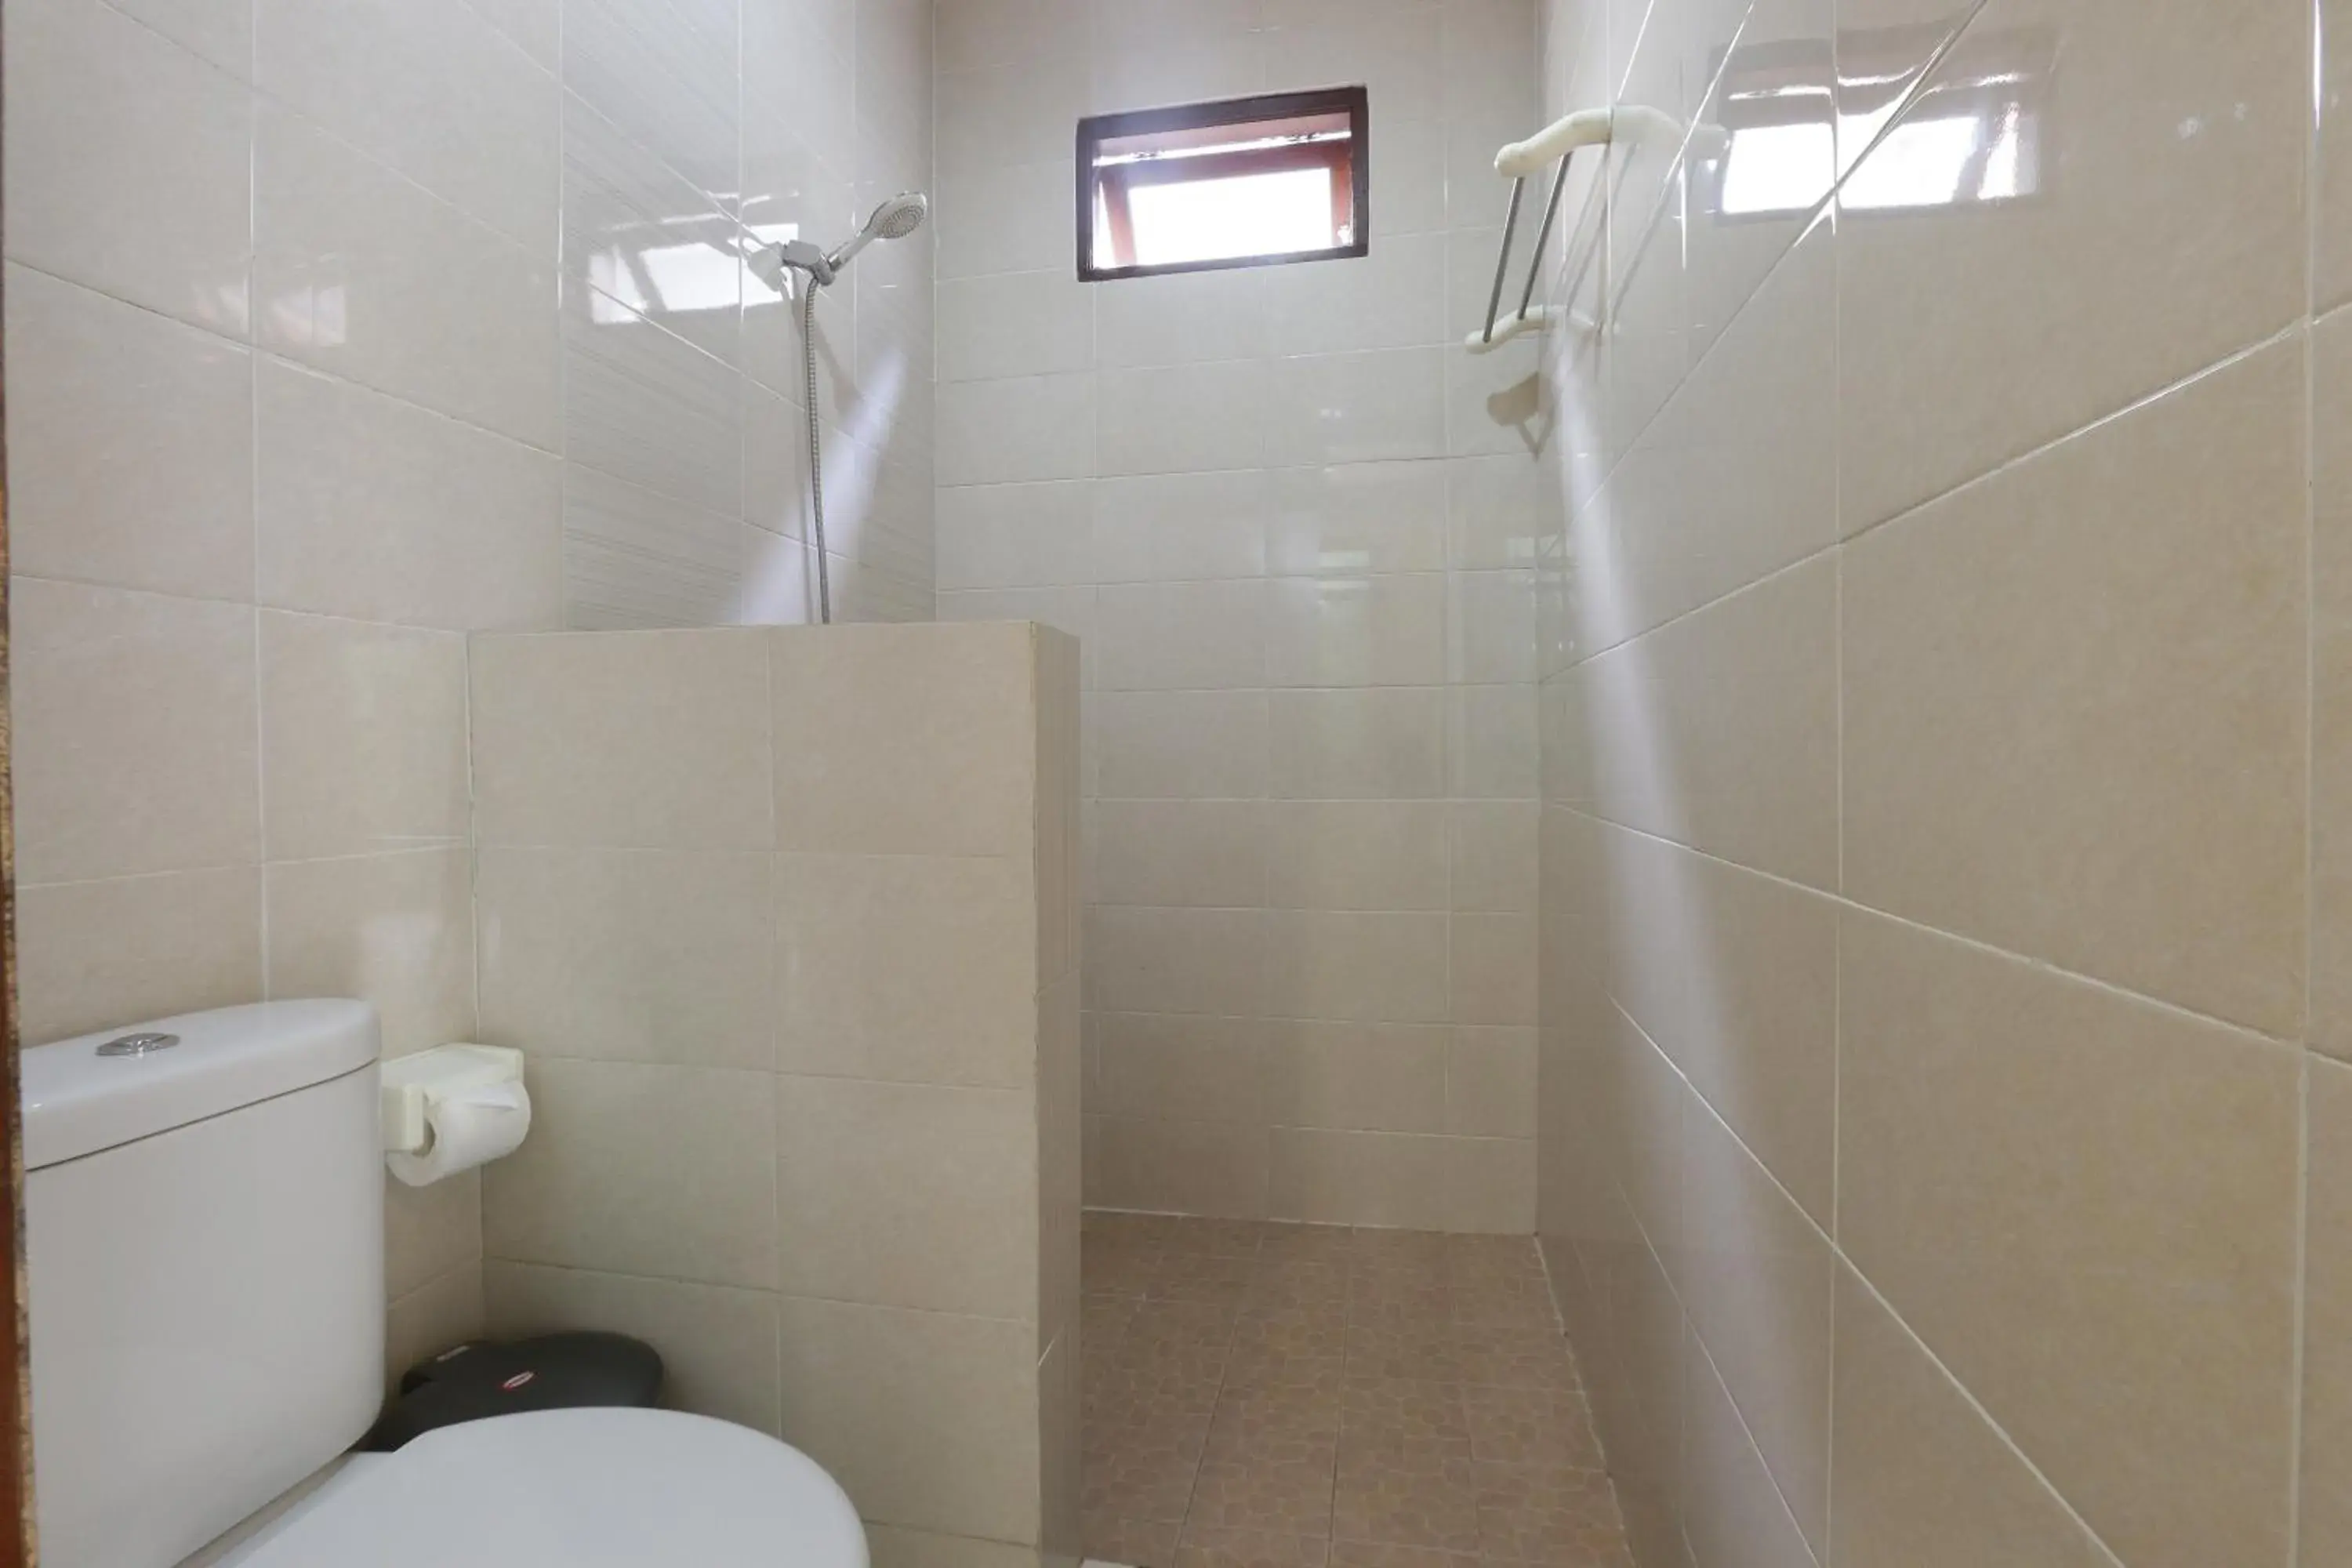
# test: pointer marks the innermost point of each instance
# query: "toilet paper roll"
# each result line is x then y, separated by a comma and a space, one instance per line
470, 1128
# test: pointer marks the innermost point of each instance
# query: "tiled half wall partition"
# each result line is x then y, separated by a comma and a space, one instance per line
1295, 531
337, 332
786, 923
1946, 1114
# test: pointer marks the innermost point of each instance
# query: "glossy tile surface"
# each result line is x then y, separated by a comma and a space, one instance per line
1300, 548
1302, 1394
289, 418
1942, 745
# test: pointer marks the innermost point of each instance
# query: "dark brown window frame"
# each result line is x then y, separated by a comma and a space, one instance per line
1354, 156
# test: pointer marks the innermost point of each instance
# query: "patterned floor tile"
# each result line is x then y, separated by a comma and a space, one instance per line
1130, 1543
1544, 1513
1406, 1494
1324, 1244
1284, 1487
1116, 1269
1405, 1410
1284, 1286
1142, 1469
1370, 1554
1530, 1426
1205, 1546
1425, 1351
1509, 1357
1263, 1395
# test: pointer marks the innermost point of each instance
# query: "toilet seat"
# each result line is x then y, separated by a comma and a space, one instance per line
576, 1488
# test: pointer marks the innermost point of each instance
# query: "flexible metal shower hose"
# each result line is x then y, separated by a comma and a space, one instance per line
816, 451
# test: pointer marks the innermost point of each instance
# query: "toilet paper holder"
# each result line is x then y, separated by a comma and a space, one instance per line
410, 1083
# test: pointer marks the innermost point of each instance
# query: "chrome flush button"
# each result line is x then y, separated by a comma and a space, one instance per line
138, 1044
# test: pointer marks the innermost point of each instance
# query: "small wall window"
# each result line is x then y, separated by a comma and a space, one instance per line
1250, 181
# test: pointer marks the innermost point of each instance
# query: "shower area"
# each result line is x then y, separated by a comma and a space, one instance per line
1804, 776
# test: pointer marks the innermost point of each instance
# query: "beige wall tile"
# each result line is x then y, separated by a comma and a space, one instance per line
93, 954
362, 274
1637, 1112
1735, 1516
906, 967
928, 1420
363, 743
2332, 281
1390, 1179
2326, 1532
1383, 967
1356, 631
646, 955
2084, 1202
445, 1311
100, 103
1186, 1068
430, 1230
666, 1171
1208, 852
1166, 528
1357, 517
1181, 744
1171, 636
2073, 712
1492, 1185
1491, 969
395, 930
1490, 742
1357, 855
135, 732
1720, 730
719, 1346
1492, 857
1735, 975
131, 445
1061, 1419
2119, 224
1921, 1476
1365, 1078
1176, 961
431, 89
1758, 1292
909, 1195
1356, 745
904, 740
650, 739
1212, 1168
377, 509
1736, 478
2331, 694
1061, 1173
1490, 1083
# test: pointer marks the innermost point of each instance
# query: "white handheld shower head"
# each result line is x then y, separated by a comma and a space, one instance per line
896, 218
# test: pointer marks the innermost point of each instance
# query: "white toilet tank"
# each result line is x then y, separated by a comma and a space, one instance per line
204, 1244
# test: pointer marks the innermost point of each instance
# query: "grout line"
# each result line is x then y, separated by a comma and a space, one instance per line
260, 352
1839, 1258
1846, 902
1998, 471
1985, 1415
1755, 1448
2313, 151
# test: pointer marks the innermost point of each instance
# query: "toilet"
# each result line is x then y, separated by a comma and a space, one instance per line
204, 1234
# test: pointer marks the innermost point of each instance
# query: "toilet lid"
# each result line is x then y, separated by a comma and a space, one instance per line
579, 1489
